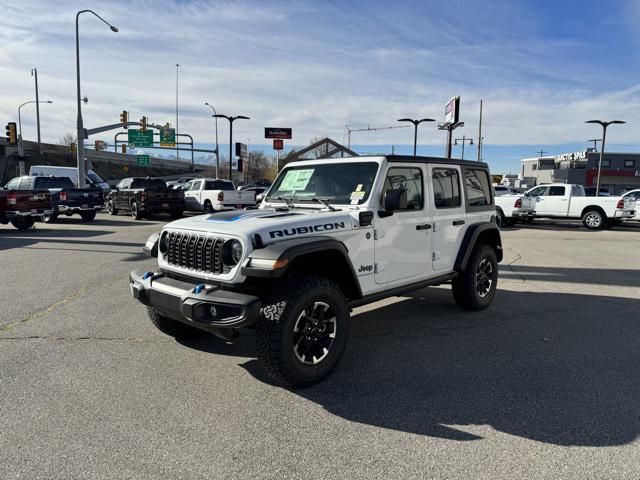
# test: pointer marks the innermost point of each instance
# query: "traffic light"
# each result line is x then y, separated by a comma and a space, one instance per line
124, 148
124, 116
72, 146
240, 164
143, 121
12, 135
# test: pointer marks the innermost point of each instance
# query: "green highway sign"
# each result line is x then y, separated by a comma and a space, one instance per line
143, 160
168, 137
138, 138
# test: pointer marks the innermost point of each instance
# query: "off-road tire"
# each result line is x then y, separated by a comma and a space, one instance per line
112, 210
466, 286
175, 214
594, 220
22, 223
208, 208
171, 327
88, 216
275, 329
135, 211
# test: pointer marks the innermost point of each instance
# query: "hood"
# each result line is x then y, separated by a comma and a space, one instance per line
270, 224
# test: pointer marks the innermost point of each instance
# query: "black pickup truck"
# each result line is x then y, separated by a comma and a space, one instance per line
22, 207
66, 198
144, 197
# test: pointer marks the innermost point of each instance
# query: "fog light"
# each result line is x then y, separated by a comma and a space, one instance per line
213, 311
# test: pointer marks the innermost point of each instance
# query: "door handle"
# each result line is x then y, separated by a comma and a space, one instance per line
457, 223
423, 226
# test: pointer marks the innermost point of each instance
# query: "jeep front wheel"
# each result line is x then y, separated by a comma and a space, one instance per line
303, 330
475, 287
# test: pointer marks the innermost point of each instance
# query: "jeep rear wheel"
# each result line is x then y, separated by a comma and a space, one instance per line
303, 330
476, 286
171, 327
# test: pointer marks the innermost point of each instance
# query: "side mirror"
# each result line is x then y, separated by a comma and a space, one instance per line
392, 200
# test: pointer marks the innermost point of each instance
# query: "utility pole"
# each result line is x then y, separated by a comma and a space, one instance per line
480, 135
34, 73
540, 152
177, 124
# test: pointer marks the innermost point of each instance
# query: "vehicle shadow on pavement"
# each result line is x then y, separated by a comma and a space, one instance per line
557, 368
586, 276
22, 238
570, 226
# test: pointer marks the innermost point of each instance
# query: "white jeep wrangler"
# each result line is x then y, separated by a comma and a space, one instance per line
330, 235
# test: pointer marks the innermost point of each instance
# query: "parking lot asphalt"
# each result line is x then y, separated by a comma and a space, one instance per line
543, 384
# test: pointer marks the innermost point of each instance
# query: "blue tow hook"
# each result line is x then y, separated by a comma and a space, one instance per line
198, 288
147, 275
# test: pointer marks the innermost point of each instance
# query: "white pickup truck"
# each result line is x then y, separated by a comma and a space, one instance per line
210, 195
560, 200
514, 208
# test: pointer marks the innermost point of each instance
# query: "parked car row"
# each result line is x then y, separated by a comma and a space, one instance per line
567, 201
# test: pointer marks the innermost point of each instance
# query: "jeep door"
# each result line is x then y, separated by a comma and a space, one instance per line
403, 239
449, 216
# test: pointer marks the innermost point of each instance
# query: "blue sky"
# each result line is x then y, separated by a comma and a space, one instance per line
541, 67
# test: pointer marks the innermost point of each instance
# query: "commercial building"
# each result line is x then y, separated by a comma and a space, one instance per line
619, 172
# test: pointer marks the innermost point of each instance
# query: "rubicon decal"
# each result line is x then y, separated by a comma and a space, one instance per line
288, 232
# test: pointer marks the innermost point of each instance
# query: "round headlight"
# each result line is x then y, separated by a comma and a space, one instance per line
164, 243
231, 252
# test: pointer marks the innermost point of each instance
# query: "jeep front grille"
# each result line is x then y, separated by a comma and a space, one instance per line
196, 252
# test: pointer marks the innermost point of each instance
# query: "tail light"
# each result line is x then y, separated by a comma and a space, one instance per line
63, 196
620, 205
12, 199
518, 203
143, 197
220, 197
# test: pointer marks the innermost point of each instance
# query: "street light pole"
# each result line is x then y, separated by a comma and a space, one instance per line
231, 120
217, 147
464, 140
595, 143
20, 145
80, 134
415, 129
604, 126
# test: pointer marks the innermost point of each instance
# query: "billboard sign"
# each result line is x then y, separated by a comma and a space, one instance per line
281, 133
241, 150
452, 111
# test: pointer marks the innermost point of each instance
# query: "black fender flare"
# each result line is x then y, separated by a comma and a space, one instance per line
296, 248
471, 238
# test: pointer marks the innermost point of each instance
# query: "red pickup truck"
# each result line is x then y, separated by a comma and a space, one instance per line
22, 207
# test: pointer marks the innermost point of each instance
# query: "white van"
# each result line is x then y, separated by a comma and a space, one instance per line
91, 178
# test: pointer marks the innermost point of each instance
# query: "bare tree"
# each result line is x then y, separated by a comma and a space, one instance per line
259, 165
67, 139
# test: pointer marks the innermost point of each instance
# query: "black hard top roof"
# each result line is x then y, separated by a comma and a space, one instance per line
448, 161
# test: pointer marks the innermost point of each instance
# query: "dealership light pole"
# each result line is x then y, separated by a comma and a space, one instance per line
177, 124
604, 136
231, 120
415, 129
80, 141
217, 148
464, 140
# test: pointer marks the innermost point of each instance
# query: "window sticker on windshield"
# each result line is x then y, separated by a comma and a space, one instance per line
359, 187
296, 180
356, 197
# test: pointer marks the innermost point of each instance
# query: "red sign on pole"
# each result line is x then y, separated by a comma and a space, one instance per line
278, 144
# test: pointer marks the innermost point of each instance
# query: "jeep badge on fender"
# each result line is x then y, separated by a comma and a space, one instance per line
330, 235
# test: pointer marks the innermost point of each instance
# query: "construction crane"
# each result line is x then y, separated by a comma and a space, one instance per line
368, 129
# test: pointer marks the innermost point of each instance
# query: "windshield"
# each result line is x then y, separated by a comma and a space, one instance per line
149, 183
339, 183
94, 178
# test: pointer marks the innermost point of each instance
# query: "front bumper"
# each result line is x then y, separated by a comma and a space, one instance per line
192, 303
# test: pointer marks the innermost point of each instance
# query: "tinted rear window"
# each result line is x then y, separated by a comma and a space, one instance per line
218, 185
148, 183
478, 187
55, 182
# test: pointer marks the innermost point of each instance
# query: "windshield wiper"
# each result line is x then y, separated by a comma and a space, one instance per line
325, 203
287, 200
